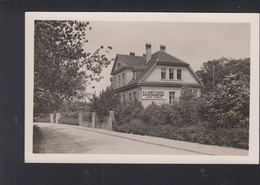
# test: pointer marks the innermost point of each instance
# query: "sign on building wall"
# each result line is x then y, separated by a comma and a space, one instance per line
153, 95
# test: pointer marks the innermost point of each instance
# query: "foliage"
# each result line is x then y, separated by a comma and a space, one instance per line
62, 68
153, 115
187, 106
162, 114
237, 137
125, 112
69, 121
70, 114
229, 107
74, 106
222, 68
105, 102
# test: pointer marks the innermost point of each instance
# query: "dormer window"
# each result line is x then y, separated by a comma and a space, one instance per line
134, 74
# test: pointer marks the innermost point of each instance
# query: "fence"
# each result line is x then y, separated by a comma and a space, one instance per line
89, 120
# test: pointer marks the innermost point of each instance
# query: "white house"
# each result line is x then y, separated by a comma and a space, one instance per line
156, 77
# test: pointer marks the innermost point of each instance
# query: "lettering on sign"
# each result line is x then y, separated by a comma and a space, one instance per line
153, 95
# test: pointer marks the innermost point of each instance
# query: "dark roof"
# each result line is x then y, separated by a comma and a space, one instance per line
165, 57
130, 60
148, 66
139, 68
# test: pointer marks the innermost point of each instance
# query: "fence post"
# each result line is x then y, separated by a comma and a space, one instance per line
52, 118
111, 119
57, 117
93, 119
80, 119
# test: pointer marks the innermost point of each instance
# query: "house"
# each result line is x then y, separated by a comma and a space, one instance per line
156, 77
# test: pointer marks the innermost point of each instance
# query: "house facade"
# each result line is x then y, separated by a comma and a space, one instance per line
156, 77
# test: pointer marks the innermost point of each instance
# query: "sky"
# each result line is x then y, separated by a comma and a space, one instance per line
192, 42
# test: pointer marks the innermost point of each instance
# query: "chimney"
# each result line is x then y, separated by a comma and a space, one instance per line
148, 51
132, 53
162, 47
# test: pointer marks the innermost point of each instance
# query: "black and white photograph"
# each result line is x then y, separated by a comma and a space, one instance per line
141, 88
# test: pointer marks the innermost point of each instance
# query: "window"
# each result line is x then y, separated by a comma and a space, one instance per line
118, 65
171, 73
119, 98
123, 78
134, 94
114, 81
163, 73
171, 97
179, 74
130, 96
134, 74
118, 80
123, 98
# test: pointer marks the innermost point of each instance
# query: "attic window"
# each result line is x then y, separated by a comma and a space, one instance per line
134, 75
118, 65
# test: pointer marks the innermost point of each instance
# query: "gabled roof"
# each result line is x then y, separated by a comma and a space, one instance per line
147, 66
165, 57
159, 57
129, 61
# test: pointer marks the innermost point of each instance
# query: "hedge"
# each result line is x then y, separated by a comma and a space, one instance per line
237, 137
69, 121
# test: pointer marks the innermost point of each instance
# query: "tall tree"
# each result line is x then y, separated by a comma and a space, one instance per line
229, 107
105, 102
213, 72
62, 69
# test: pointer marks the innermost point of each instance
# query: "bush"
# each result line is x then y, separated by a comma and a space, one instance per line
162, 114
125, 112
237, 138
69, 121
188, 106
153, 115
45, 118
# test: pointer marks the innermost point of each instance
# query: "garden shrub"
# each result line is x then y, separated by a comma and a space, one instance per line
187, 106
69, 121
125, 112
153, 115
237, 137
